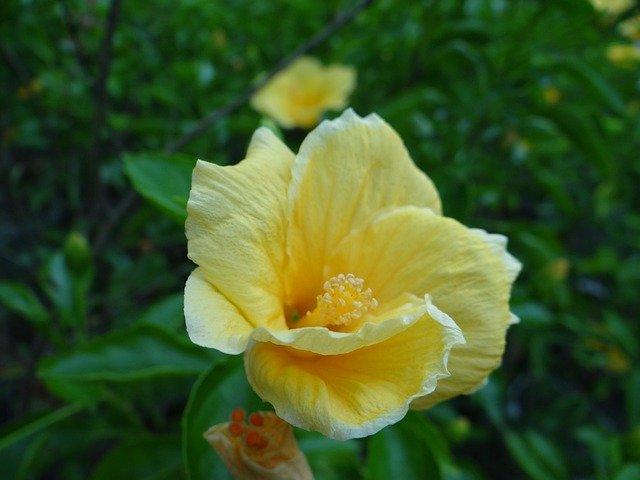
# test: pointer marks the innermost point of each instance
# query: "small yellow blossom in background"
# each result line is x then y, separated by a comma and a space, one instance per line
300, 94
334, 271
262, 448
615, 360
31, 89
624, 55
551, 95
220, 40
558, 269
630, 28
612, 7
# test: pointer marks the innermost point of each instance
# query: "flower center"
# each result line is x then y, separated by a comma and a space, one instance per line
344, 301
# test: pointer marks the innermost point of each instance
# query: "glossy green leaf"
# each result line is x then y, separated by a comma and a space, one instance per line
16, 432
330, 459
536, 455
215, 394
22, 300
593, 79
29, 458
167, 313
583, 133
163, 179
606, 450
402, 451
630, 471
137, 353
67, 290
142, 458
633, 399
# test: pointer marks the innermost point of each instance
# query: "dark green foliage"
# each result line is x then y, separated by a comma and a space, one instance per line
510, 106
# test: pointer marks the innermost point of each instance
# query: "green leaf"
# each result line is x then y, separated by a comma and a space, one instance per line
591, 78
533, 314
163, 179
606, 450
67, 290
29, 458
20, 299
402, 451
142, 458
536, 455
215, 394
168, 313
330, 459
584, 135
630, 471
137, 353
633, 399
26, 427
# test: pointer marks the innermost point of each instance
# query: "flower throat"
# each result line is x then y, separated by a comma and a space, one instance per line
343, 301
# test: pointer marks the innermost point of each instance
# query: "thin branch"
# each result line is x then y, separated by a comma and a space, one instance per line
100, 98
130, 199
78, 49
205, 123
13, 61
124, 206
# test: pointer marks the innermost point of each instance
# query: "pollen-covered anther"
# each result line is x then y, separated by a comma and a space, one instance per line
345, 299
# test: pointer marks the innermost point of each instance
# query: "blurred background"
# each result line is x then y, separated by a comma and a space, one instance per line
526, 115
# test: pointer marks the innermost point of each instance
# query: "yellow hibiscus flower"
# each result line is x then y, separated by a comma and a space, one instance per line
630, 28
333, 270
300, 94
612, 7
623, 55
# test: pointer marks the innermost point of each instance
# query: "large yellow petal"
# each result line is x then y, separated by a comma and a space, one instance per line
409, 249
236, 229
498, 244
211, 320
357, 393
347, 170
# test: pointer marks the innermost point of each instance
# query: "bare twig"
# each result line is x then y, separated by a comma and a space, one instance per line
205, 123
16, 65
130, 199
78, 49
100, 98
124, 206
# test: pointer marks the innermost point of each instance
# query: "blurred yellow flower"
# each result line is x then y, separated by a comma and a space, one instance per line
551, 95
617, 361
261, 448
557, 270
300, 94
623, 55
29, 90
630, 28
612, 7
352, 297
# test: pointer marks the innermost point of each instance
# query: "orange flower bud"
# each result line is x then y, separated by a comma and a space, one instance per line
264, 448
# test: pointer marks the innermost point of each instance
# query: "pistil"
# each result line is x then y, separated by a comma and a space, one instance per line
344, 300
